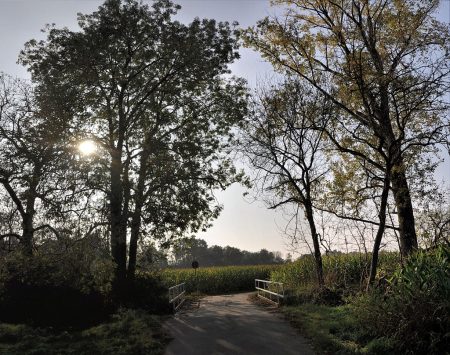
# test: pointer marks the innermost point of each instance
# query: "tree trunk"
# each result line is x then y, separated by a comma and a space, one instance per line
118, 230
136, 221
315, 238
380, 231
28, 216
27, 234
135, 229
400, 189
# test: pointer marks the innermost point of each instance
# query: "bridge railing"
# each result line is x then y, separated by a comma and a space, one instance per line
177, 295
270, 290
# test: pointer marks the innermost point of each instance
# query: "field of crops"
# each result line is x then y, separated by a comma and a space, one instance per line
220, 279
340, 270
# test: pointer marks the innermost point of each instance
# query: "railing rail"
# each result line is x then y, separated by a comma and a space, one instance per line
177, 295
270, 290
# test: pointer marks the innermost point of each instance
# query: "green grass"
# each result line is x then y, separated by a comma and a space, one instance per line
129, 332
334, 330
218, 280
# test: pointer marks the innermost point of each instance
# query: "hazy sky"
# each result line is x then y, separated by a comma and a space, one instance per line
242, 224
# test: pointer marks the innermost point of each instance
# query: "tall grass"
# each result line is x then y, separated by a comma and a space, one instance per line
340, 270
217, 280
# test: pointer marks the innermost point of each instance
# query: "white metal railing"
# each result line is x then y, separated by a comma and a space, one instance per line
270, 290
177, 295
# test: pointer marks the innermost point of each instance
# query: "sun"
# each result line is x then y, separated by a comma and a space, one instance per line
87, 147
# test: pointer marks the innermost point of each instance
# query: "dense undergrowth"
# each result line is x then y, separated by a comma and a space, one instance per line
406, 312
70, 292
56, 303
413, 307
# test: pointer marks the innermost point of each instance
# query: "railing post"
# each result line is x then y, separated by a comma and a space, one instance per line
265, 291
176, 295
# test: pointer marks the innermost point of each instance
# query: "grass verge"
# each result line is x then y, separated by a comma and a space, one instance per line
128, 332
334, 330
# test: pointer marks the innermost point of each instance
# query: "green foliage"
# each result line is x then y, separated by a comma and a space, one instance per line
340, 270
153, 93
74, 267
217, 280
74, 290
406, 313
54, 290
128, 332
414, 308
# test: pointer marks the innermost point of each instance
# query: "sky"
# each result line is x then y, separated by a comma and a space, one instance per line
244, 223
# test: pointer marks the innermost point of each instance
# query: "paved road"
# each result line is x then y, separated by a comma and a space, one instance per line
231, 324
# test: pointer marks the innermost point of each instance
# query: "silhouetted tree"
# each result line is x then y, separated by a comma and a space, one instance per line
35, 181
151, 92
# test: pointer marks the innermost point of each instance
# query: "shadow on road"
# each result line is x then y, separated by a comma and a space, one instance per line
231, 324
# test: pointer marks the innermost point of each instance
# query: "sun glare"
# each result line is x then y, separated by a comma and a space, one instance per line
87, 147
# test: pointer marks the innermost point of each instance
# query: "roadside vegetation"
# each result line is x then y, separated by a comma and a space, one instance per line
406, 313
54, 304
128, 332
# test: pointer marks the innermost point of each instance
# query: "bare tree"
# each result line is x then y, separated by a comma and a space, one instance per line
283, 143
434, 219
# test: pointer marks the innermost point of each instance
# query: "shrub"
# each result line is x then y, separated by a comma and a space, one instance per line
413, 310
45, 290
148, 292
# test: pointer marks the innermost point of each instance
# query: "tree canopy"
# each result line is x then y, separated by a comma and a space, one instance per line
152, 93
384, 65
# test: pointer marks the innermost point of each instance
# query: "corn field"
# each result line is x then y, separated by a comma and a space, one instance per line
340, 270
220, 279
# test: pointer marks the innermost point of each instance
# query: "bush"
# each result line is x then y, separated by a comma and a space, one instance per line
413, 310
148, 292
45, 290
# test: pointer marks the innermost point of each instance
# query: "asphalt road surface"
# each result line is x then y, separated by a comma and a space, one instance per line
231, 324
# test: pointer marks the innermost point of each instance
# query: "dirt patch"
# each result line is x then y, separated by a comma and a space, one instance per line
261, 302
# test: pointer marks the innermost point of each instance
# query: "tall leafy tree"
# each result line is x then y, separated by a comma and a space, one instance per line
152, 93
385, 66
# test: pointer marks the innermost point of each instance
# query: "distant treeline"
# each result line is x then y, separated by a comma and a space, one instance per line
198, 249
